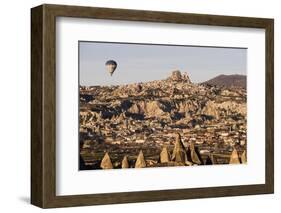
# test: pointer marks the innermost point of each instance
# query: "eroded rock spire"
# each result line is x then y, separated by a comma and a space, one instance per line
164, 155
106, 162
179, 153
140, 163
125, 162
234, 158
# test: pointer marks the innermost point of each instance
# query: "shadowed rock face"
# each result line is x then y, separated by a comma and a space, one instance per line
194, 155
208, 161
244, 157
125, 119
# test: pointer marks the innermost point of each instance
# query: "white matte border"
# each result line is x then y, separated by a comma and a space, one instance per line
70, 181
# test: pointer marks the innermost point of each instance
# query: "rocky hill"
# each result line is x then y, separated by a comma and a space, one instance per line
228, 81
126, 118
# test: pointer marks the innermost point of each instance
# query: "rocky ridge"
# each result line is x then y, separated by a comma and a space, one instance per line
228, 81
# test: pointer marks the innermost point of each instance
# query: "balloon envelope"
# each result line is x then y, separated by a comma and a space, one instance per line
111, 66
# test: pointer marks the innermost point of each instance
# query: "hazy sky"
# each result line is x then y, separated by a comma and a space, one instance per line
141, 63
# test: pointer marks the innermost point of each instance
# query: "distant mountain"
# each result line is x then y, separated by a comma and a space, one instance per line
228, 81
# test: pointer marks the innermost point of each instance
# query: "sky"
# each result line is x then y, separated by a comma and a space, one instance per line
147, 62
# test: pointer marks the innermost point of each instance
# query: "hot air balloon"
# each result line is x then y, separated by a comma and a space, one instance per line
111, 66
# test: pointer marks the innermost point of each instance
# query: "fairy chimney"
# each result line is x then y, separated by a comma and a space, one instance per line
234, 158
195, 156
179, 153
140, 163
164, 155
125, 162
106, 162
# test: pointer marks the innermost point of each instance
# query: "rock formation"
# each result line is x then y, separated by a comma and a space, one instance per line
125, 162
194, 155
106, 162
149, 109
164, 155
179, 153
86, 144
140, 163
124, 119
177, 76
214, 109
244, 157
234, 158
